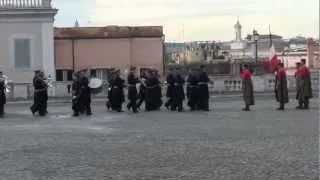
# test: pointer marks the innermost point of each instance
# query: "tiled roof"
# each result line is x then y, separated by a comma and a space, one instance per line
108, 32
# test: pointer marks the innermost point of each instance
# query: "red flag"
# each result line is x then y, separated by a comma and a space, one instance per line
274, 61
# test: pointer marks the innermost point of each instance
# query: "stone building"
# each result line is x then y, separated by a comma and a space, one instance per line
26, 37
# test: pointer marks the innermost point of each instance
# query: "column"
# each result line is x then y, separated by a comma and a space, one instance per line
48, 53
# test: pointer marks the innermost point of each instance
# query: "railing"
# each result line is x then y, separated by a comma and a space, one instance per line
220, 86
16, 4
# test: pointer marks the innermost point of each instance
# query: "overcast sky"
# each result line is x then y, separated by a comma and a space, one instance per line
187, 20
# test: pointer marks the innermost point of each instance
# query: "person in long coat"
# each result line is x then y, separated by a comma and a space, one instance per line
117, 94
192, 90
170, 87
281, 87
297, 76
305, 84
178, 94
2, 94
153, 95
132, 90
247, 88
142, 91
40, 88
76, 106
203, 89
85, 92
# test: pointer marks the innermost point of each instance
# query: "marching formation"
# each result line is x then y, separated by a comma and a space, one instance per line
149, 90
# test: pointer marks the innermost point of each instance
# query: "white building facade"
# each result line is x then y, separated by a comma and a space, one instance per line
26, 39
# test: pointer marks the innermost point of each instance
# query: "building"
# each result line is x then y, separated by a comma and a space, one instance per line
26, 37
246, 48
101, 49
296, 52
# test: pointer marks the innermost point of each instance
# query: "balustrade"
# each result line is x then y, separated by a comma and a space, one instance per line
16, 4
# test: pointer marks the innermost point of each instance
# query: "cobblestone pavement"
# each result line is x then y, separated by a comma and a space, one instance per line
225, 144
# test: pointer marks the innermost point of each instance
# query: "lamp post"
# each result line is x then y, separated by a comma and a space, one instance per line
255, 37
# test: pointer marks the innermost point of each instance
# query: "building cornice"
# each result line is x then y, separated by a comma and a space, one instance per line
27, 12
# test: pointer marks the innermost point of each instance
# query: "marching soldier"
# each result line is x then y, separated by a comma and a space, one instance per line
203, 89
178, 94
297, 76
2, 94
192, 90
85, 93
247, 88
281, 87
170, 87
76, 106
305, 84
153, 95
40, 88
132, 90
117, 94
46, 97
142, 91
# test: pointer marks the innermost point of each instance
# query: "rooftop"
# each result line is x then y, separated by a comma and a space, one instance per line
108, 32
24, 4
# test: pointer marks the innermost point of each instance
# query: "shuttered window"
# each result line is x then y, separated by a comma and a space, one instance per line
22, 54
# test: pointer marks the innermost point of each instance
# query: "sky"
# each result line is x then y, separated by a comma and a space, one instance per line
201, 20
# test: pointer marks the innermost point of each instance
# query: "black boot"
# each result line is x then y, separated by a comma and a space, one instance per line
281, 108
247, 108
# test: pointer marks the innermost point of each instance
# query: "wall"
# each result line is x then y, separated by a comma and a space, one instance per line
8, 31
108, 53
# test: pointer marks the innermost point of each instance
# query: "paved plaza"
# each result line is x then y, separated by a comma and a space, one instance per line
224, 144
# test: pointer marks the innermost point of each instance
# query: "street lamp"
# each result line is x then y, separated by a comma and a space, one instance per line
255, 37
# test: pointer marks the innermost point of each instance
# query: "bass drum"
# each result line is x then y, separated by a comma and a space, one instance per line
95, 85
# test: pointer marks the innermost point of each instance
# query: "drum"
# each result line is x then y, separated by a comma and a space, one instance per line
95, 85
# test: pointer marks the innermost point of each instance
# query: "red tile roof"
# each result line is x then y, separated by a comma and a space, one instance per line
108, 32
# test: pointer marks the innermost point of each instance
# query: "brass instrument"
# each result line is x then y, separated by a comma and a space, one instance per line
48, 81
6, 81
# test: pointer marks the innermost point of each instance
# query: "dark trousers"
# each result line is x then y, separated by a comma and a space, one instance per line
203, 104
168, 103
1, 110
177, 105
39, 104
140, 101
281, 107
306, 102
132, 104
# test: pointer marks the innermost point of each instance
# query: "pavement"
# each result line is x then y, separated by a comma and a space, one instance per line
223, 144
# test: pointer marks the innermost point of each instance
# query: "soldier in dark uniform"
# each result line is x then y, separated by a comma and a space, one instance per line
203, 89
132, 90
117, 94
305, 84
40, 88
170, 87
85, 92
76, 106
297, 76
142, 91
178, 94
192, 90
2, 94
247, 88
153, 95
46, 92
281, 87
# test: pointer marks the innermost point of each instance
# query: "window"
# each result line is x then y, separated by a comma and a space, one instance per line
22, 53
59, 75
64, 75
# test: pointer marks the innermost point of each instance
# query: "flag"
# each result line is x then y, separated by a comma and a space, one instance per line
274, 61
